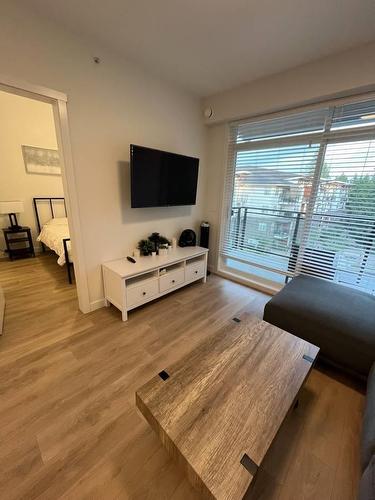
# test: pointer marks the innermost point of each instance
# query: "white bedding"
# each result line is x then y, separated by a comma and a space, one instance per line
52, 234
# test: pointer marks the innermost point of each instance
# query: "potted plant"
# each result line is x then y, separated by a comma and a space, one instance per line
163, 249
154, 239
145, 247
157, 240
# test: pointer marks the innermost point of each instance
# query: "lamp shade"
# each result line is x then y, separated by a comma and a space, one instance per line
11, 207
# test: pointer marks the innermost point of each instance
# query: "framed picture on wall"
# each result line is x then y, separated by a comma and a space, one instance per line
41, 161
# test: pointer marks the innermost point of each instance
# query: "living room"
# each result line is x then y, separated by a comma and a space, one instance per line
280, 115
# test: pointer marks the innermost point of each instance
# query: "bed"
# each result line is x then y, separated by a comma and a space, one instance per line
54, 232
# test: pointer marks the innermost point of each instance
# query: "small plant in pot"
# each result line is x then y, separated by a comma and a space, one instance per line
158, 240
163, 249
164, 241
146, 247
154, 239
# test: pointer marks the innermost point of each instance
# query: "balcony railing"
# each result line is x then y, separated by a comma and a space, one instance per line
279, 234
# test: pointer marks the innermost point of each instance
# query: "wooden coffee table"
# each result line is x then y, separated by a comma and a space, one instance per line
219, 408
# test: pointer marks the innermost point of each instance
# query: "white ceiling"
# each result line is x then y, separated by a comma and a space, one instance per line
208, 46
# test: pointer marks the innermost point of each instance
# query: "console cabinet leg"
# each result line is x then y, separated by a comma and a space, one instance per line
205, 268
124, 315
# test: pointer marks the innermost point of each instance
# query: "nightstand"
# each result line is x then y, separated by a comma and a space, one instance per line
14, 238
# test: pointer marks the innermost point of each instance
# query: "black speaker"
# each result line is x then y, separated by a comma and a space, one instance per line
187, 238
205, 234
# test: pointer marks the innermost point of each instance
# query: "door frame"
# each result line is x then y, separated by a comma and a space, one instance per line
59, 103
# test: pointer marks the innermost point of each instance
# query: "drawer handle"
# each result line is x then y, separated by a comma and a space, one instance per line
144, 293
196, 272
173, 281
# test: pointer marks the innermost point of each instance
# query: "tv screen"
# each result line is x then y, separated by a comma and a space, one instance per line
160, 179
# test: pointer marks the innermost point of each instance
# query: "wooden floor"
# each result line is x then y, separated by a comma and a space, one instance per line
69, 427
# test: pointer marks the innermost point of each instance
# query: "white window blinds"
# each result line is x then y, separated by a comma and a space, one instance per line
300, 195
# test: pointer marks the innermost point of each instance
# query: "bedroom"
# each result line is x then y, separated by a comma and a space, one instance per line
32, 204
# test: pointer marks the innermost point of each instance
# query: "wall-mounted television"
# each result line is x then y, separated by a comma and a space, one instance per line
162, 179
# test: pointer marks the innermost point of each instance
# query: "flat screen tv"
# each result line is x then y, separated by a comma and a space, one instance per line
162, 179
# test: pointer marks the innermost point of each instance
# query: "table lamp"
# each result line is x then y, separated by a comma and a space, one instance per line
11, 208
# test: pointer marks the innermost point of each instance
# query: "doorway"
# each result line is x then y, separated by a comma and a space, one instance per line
55, 203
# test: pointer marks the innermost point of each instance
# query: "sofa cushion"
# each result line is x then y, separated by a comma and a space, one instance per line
368, 425
336, 318
367, 482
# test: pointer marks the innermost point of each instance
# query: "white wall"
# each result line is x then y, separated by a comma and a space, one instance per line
216, 167
29, 122
110, 105
344, 74
336, 75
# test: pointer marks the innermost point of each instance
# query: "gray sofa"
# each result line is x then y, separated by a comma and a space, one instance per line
338, 319
367, 483
341, 321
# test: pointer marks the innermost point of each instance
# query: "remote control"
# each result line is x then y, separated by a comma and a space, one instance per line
130, 259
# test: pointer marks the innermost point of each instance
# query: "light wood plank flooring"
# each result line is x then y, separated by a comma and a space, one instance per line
69, 427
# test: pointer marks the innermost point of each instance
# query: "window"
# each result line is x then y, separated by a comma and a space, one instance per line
300, 196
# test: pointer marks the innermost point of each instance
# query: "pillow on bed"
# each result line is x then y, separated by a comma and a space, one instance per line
57, 221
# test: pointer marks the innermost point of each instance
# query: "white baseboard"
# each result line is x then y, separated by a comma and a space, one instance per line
249, 283
97, 304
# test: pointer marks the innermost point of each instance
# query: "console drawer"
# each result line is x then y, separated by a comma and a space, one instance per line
141, 293
195, 270
171, 279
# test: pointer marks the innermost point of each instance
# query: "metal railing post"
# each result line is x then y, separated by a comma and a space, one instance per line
243, 229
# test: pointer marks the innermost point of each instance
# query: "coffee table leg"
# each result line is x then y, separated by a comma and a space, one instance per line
249, 464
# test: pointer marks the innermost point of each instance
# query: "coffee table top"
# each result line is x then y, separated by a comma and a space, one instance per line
220, 407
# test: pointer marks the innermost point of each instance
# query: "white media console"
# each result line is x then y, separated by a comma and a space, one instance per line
128, 285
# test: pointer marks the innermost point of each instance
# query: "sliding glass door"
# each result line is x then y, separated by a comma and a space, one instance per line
300, 197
